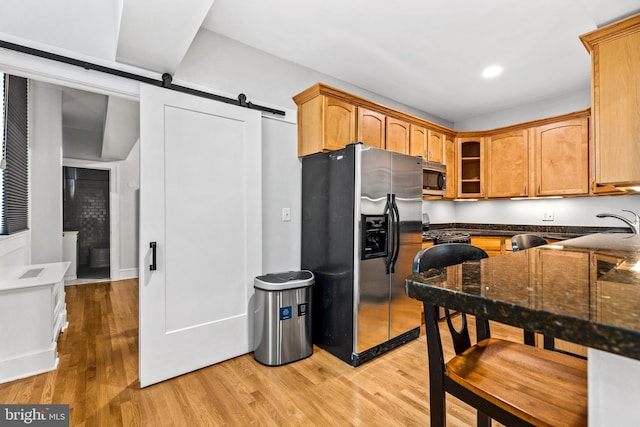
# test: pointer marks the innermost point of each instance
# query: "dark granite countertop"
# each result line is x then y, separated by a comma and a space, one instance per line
584, 290
558, 232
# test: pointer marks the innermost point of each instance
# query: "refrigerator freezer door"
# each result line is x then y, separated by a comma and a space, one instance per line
373, 172
405, 313
327, 247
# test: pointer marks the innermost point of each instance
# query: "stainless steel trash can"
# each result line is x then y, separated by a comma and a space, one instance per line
283, 318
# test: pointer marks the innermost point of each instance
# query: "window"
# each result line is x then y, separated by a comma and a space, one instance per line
14, 178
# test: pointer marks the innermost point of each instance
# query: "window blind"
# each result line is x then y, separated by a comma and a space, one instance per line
14, 184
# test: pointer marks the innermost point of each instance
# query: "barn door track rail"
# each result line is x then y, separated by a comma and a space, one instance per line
241, 101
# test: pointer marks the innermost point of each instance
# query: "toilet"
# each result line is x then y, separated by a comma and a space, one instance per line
98, 257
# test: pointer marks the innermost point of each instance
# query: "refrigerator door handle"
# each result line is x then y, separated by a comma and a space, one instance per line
388, 210
396, 232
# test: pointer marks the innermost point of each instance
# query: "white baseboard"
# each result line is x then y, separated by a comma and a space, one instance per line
29, 364
129, 273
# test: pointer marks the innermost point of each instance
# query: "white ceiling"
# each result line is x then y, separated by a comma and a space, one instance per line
427, 54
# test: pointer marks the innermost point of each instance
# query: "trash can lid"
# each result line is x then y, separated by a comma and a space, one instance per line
284, 280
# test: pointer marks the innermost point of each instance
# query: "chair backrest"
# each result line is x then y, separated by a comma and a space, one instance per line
526, 241
440, 256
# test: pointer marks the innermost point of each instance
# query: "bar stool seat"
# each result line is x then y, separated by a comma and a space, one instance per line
540, 387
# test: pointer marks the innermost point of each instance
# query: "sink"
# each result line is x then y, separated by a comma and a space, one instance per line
34, 272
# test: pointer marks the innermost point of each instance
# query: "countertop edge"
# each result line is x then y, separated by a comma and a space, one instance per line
52, 273
559, 232
608, 338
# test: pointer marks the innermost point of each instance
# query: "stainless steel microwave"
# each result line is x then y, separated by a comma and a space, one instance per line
434, 179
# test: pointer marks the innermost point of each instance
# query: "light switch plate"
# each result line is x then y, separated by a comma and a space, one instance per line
286, 214
548, 216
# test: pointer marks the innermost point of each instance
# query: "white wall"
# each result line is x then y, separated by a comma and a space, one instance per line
231, 67
46, 173
14, 250
129, 197
281, 184
575, 211
537, 110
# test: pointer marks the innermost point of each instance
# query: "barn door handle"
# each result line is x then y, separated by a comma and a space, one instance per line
153, 265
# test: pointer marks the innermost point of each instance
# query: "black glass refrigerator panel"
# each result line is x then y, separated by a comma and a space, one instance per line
328, 246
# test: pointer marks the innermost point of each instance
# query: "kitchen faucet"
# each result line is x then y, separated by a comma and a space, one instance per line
635, 224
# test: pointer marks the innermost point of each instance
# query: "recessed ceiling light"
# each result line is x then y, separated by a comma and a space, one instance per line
491, 71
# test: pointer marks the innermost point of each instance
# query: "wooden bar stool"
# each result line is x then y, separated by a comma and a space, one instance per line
513, 383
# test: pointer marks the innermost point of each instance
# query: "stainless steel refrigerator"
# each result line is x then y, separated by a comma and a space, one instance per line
361, 228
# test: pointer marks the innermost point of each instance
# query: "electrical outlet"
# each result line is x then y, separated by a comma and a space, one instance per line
548, 216
286, 214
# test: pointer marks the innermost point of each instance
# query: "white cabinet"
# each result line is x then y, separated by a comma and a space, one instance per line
33, 312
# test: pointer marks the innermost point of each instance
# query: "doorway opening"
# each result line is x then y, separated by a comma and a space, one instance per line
85, 201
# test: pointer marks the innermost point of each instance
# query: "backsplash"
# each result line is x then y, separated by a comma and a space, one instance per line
570, 211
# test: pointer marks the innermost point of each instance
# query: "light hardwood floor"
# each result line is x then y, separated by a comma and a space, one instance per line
98, 377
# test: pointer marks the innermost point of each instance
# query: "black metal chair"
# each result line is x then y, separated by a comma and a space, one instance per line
513, 383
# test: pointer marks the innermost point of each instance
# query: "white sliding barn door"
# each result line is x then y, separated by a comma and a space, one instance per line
200, 202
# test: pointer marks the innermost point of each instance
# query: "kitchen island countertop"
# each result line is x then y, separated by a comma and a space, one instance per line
584, 290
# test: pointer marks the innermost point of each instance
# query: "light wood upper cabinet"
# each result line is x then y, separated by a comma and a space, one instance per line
435, 142
329, 119
449, 154
371, 127
485, 164
507, 173
470, 167
418, 141
615, 95
397, 135
325, 124
562, 158
427, 143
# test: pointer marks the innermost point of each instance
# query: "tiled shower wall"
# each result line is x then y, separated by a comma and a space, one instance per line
86, 208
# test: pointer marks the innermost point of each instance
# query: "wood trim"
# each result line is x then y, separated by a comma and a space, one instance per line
530, 124
323, 89
611, 32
